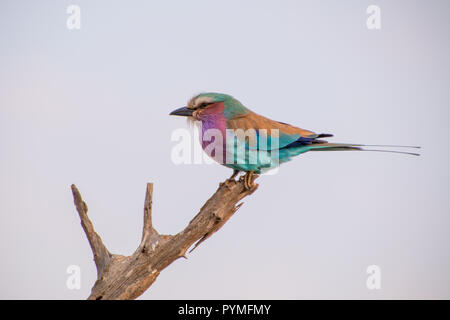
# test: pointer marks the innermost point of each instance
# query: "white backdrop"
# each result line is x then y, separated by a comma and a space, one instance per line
90, 107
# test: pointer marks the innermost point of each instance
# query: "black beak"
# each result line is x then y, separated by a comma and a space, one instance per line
184, 111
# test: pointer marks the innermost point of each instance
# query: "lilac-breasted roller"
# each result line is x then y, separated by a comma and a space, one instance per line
246, 141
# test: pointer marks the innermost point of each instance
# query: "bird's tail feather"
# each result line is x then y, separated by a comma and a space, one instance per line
325, 146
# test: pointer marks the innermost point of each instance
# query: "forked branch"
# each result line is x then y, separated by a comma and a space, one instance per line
127, 277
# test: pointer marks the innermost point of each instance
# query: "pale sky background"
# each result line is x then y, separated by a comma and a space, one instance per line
91, 107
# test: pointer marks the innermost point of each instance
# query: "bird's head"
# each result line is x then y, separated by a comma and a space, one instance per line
210, 104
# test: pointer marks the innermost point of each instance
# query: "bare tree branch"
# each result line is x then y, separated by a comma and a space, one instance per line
127, 277
150, 237
101, 254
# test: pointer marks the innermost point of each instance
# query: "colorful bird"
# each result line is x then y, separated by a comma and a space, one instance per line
246, 141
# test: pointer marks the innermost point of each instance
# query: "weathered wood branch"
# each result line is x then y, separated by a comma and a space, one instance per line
127, 277
102, 256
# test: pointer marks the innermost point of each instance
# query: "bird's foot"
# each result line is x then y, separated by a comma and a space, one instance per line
248, 180
235, 173
228, 181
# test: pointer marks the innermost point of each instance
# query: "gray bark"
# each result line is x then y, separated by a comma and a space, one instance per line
127, 277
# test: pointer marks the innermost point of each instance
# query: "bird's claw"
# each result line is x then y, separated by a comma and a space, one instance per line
235, 173
230, 179
226, 183
248, 180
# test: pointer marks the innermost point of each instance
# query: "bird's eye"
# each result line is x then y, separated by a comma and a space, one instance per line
204, 104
